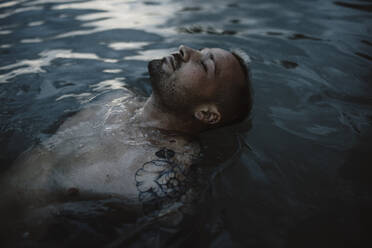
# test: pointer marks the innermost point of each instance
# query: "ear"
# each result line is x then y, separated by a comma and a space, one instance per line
207, 113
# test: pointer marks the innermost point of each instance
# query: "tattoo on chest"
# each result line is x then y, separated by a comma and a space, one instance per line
161, 179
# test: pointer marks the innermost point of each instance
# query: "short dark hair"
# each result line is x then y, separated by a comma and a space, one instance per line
242, 95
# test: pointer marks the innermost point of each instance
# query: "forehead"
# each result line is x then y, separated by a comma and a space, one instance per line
221, 53
228, 67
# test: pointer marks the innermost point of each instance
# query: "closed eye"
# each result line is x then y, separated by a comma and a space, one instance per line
204, 66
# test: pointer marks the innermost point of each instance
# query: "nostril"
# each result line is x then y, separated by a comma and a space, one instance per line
184, 53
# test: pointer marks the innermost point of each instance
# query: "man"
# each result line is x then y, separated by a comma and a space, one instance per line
140, 152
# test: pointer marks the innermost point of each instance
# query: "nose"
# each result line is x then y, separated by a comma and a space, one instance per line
188, 53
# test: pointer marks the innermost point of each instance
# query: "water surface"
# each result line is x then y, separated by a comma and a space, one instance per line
299, 176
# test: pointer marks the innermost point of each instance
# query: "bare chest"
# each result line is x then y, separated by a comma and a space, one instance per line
138, 173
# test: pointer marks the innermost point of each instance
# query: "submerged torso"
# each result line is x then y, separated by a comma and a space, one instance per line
104, 151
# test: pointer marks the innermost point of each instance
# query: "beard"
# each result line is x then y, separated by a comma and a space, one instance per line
157, 74
169, 96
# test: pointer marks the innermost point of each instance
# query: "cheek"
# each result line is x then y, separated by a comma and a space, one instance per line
190, 77
192, 81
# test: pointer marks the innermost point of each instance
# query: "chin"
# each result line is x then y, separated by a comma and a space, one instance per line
157, 74
155, 68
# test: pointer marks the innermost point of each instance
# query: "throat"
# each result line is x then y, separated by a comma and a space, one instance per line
154, 116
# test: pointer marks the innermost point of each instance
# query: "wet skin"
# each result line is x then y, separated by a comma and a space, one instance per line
191, 82
203, 71
135, 150
99, 152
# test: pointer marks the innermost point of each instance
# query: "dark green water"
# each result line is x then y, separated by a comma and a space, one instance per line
302, 174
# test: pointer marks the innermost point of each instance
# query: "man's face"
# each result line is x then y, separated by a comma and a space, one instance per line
183, 80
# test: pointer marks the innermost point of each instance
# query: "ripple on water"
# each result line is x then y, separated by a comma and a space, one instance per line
310, 75
120, 15
6, 45
36, 23
365, 56
5, 32
151, 54
312, 124
78, 97
46, 57
185, 9
35, 40
8, 4
114, 71
302, 37
19, 10
197, 29
362, 7
367, 42
127, 45
112, 84
288, 64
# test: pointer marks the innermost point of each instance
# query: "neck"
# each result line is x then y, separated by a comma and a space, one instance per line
155, 116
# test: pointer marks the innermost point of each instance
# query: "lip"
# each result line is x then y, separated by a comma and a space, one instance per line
173, 61
168, 60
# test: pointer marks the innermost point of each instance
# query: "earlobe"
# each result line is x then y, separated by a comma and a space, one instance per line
207, 113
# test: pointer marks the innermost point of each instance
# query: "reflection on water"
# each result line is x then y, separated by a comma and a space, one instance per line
300, 175
8, 4
18, 10
110, 15
112, 84
37, 23
76, 96
147, 55
112, 70
208, 30
5, 45
2, 32
36, 40
46, 57
127, 45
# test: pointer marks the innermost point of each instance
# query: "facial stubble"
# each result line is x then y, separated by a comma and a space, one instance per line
170, 96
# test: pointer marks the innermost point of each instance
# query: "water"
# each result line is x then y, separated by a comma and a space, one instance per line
298, 175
